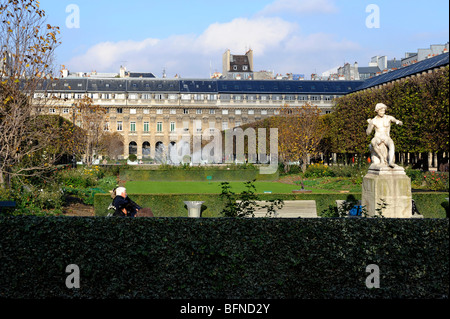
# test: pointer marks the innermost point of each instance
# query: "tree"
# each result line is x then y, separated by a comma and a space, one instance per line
300, 130
27, 46
92, 119
112, 144
421, 103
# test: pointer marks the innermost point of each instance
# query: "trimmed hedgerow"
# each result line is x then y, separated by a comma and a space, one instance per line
223, 257
430, 205
196, 174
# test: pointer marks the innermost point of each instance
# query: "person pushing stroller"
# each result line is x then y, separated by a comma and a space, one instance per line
123, 205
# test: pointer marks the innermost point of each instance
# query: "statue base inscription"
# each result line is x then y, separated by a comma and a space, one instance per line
390, 184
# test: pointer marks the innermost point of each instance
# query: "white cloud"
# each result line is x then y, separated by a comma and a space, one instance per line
259, 34
277, 45
299, 7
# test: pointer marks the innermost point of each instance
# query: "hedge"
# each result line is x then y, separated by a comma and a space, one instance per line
430, 205
195, 174
187, 258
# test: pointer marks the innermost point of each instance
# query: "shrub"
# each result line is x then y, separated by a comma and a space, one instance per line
436, 181
226, 258
318, 170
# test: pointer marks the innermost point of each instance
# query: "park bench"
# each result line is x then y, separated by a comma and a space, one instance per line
290, 209
6, 204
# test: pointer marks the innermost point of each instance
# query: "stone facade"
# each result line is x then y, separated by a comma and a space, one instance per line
147, 112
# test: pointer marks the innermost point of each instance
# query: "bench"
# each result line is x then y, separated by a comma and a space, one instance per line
7, 204
290, 209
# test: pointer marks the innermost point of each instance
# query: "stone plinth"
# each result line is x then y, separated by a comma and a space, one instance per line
390, 184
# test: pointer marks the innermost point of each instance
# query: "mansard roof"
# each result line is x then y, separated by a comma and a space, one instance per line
141, 85
416, 68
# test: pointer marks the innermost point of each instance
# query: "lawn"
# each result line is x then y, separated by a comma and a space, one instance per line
148, 187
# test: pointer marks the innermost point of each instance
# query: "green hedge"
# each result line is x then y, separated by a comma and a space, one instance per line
223, 257
195, 174
430, 205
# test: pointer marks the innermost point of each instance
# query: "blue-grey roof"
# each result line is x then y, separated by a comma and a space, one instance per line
419, 67
80, 85
143, 85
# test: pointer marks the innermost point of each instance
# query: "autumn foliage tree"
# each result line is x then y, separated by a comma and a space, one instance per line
27, 47
300, 130
421, 103
92, 119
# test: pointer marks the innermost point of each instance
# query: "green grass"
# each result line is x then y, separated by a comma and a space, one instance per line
145, 187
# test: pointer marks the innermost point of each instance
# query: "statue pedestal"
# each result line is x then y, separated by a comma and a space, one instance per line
390, 184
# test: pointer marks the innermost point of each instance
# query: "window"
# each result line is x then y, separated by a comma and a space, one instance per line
185, 111
132, 111
66, 110
132, 126
146, 127
106, 126
173, 111
106, 96
159, 127
211, 111
119, 125
146, 96
237, 112
172, 126
224, 112
198, 126
224, 125
244, 67
251, 111
198, 111
146, 111
52, 110
159, 111
289, 97
119, 110
263, 112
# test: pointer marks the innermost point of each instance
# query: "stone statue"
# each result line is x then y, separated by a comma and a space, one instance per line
382, 147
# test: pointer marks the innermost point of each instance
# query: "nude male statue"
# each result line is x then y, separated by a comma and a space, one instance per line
382, 141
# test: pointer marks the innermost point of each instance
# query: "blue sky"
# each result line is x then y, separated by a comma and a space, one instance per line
188, 37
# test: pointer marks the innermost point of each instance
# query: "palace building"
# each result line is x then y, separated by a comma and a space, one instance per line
147, 111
